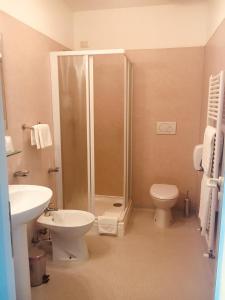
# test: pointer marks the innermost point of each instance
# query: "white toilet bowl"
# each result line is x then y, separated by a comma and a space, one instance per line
67, 228
164, 197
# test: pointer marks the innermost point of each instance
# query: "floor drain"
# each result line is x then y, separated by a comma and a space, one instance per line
117, 204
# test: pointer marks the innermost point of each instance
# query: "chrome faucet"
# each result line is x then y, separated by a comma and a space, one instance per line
21, 173
48, 211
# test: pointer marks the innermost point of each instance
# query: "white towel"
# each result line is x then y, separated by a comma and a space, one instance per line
44, 135
208, 146
107, 224
41, 136
204, 203
35, 140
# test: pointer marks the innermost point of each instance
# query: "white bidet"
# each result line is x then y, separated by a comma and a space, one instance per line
67, 228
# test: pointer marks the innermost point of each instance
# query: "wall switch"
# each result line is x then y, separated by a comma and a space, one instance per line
166, 127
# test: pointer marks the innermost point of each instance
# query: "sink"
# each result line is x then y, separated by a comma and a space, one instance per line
27, 202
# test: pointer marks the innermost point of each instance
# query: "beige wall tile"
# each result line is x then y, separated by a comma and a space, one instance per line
167, 87
28, 96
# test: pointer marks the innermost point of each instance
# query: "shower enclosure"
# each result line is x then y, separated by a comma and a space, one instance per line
91, 92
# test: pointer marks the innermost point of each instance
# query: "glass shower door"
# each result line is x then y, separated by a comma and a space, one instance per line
108, 109
109, 135
72, 72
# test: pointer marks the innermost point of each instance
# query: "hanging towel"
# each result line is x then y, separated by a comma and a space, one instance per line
107, 224
41, 136
208, 147
205, 199
35, 140
44, 135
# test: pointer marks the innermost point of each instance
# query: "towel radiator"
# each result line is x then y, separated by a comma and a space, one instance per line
215, 118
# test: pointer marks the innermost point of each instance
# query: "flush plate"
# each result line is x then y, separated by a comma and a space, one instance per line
166, 127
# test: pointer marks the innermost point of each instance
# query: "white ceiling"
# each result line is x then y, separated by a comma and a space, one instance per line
79, 5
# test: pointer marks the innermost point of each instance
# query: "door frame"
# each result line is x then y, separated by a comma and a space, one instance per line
220, 270
7, 277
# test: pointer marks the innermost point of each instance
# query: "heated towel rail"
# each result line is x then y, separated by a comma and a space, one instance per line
215, 118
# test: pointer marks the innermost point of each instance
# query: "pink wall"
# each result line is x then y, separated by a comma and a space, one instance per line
28, 96
214, 62
167, 87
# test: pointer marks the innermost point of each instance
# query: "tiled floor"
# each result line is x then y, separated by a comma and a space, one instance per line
146, 264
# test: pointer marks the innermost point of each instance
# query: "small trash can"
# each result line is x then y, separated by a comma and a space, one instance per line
37, 261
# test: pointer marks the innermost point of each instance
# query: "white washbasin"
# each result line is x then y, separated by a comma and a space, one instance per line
27, 202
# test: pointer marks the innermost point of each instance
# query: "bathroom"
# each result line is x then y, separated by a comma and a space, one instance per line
139, 71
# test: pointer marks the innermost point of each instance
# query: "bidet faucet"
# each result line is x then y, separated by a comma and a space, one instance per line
48, 210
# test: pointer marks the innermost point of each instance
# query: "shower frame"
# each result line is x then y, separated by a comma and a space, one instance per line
128, 76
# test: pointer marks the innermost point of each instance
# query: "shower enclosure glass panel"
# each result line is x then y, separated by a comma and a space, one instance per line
109, 124
109, 134
73, 121
92, 93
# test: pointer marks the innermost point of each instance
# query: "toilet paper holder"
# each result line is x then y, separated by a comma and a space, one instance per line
197, 157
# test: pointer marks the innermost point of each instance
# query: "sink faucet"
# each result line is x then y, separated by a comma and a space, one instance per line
48, 211
21, 173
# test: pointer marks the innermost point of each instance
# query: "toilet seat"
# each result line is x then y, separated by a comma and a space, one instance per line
164, 191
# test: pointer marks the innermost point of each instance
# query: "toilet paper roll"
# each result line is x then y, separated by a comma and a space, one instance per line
9, 144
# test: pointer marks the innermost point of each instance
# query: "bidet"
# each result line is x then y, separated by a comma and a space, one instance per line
67, 228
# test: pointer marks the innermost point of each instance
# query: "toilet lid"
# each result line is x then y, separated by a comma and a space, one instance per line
164, 191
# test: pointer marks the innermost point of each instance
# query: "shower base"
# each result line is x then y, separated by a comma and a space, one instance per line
112, 206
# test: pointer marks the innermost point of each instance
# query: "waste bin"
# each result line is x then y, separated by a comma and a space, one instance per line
37, 261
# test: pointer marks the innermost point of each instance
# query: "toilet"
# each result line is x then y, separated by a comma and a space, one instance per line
164, 198
67, 228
